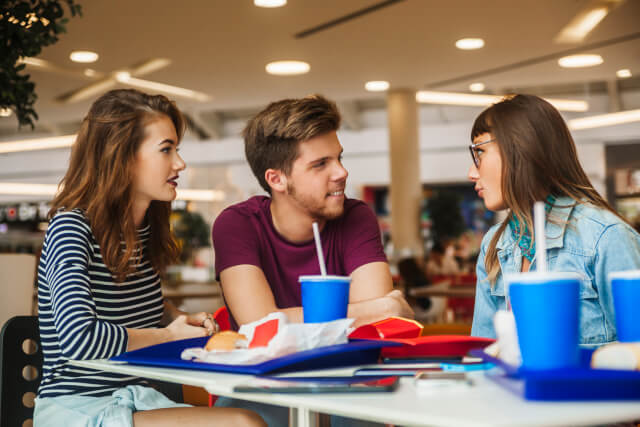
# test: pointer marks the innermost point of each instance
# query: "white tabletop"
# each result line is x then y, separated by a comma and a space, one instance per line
482, 404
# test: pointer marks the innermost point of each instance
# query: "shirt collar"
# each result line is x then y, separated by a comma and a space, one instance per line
554, 230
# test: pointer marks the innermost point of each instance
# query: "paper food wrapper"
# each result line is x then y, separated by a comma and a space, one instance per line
506, 347
618, 355
273, 336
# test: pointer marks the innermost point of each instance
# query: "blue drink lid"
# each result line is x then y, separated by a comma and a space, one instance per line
320, 278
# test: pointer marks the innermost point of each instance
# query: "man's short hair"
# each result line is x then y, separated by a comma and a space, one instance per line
271, 138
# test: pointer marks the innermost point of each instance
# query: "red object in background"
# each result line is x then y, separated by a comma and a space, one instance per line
463, 307
222, 317
12, 214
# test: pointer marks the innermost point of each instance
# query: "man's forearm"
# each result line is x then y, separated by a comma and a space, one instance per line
365, 312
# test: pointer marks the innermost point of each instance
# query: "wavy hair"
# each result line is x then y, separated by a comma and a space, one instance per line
271, 138
99, 180
538, 158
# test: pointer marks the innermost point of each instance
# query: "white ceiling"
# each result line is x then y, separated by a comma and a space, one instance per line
220, 47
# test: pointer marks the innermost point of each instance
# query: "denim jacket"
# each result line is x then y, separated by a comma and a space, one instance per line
588, 240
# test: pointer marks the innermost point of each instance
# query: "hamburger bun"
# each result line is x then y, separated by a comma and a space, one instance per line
225, 341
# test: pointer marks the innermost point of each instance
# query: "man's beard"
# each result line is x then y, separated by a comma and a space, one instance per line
314, 208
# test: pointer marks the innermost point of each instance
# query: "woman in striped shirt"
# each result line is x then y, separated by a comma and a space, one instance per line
99, 291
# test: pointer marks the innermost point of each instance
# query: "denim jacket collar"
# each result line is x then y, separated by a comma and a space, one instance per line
560, 212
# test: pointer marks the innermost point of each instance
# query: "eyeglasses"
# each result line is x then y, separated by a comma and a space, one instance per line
474, 152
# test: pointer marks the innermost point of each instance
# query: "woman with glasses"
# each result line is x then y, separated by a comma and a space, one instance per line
523, 152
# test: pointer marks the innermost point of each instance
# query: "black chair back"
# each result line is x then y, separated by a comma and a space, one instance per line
21, 369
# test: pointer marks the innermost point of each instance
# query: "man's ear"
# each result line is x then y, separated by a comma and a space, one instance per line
276, 179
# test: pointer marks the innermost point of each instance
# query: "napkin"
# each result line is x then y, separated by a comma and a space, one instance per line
506, 347
273, 336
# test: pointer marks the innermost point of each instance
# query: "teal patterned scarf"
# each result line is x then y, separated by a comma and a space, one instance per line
528, 249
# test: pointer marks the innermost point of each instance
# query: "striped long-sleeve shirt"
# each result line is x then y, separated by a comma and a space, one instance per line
83, 312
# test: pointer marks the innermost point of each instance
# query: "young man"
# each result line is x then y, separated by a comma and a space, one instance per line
264, 244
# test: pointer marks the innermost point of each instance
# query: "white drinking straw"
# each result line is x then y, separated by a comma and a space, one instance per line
540, 239
316, 237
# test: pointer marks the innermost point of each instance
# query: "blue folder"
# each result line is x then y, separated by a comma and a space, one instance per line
579, 383
167, 355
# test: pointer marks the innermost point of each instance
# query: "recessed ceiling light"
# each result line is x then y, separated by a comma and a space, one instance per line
476, 87
578, 61
83, 56
123, 76
470, 43
287, 68
90, 73
376, 85
5, 112
269, 3
624, 73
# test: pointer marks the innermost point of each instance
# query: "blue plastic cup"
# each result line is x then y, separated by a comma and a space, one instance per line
546, 310
625, 286
324, 298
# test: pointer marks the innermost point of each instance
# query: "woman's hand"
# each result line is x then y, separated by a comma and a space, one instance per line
187, 326
205, 320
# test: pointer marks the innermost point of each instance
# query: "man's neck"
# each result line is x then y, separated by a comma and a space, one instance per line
291, 222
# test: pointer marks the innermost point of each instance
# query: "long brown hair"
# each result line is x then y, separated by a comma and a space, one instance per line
538, 159
100, 177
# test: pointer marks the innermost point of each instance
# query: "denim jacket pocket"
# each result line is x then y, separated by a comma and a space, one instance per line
587, 290
497, 290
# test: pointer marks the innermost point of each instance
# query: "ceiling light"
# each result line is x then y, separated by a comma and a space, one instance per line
125, 77
28, 189
287, 68
605, 120
5, 112
452, 98
90, 73
23, 189
577, 61
83, 56
476, 87
33, 62
625, 73
581, 25
269, 3
37, 144
200, 195
470, 44
376, 85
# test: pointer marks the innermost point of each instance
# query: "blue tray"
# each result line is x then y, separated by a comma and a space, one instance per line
581, 383
167, 355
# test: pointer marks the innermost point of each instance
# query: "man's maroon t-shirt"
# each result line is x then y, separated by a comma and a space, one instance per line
244, 234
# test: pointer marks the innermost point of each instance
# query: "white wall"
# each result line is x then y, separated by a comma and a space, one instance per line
221, 164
